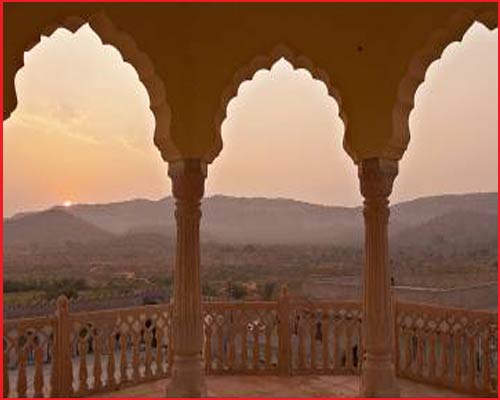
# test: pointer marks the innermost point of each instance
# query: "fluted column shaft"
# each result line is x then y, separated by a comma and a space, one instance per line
378, 375
188, 180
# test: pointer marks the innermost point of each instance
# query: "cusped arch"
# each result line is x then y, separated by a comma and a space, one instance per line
265, 62
109, 34
438, 41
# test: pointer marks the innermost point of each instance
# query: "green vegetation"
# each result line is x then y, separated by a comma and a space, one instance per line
32, 291
209, 289
268, 290
236, 290
254, 272
51, 287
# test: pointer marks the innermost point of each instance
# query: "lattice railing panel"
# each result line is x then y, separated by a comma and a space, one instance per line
108, 350
28, 352
455, 348
117, 348
325, 337
240, 337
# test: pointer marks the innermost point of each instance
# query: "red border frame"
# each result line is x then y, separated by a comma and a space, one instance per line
181, 1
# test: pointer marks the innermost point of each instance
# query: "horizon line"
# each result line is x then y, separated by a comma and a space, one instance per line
132, 199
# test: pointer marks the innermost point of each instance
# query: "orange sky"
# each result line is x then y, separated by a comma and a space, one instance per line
61, 144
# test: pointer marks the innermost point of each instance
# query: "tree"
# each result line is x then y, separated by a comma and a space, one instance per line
209, 290
67, 286
237, 290
267, 290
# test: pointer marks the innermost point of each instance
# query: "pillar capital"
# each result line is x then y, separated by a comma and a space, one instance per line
188, 178
376, 177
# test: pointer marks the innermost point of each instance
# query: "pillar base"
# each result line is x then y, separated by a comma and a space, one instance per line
188, 377
378, 379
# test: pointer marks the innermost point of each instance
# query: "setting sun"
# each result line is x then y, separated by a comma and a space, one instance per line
67, 203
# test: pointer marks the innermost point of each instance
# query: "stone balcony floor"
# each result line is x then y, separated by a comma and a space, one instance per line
275, 386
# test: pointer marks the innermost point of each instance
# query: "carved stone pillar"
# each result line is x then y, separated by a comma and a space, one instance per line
188, 380
378, 375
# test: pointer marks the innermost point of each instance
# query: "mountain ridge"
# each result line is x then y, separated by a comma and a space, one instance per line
53, 226
241, 220
223, 196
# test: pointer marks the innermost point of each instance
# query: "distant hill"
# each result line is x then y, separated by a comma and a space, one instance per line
459, 230
279, 221
458, 219
416, 212
50, 227
125, 216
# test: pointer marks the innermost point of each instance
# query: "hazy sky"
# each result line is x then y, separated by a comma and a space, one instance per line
83, 131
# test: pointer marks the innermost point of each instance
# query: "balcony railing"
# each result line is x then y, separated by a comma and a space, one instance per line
79, 354
454, 348
285, 337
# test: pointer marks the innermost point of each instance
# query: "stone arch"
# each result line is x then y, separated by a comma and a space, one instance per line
438, 41
109, 34
266, 62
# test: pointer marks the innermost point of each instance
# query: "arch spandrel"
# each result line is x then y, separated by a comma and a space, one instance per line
130, 53
196, 49
438, 40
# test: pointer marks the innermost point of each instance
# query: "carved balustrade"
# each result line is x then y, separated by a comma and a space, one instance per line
241, 337
454, 348
28, 350
118, 348
112, 349
107, 350
325, 337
